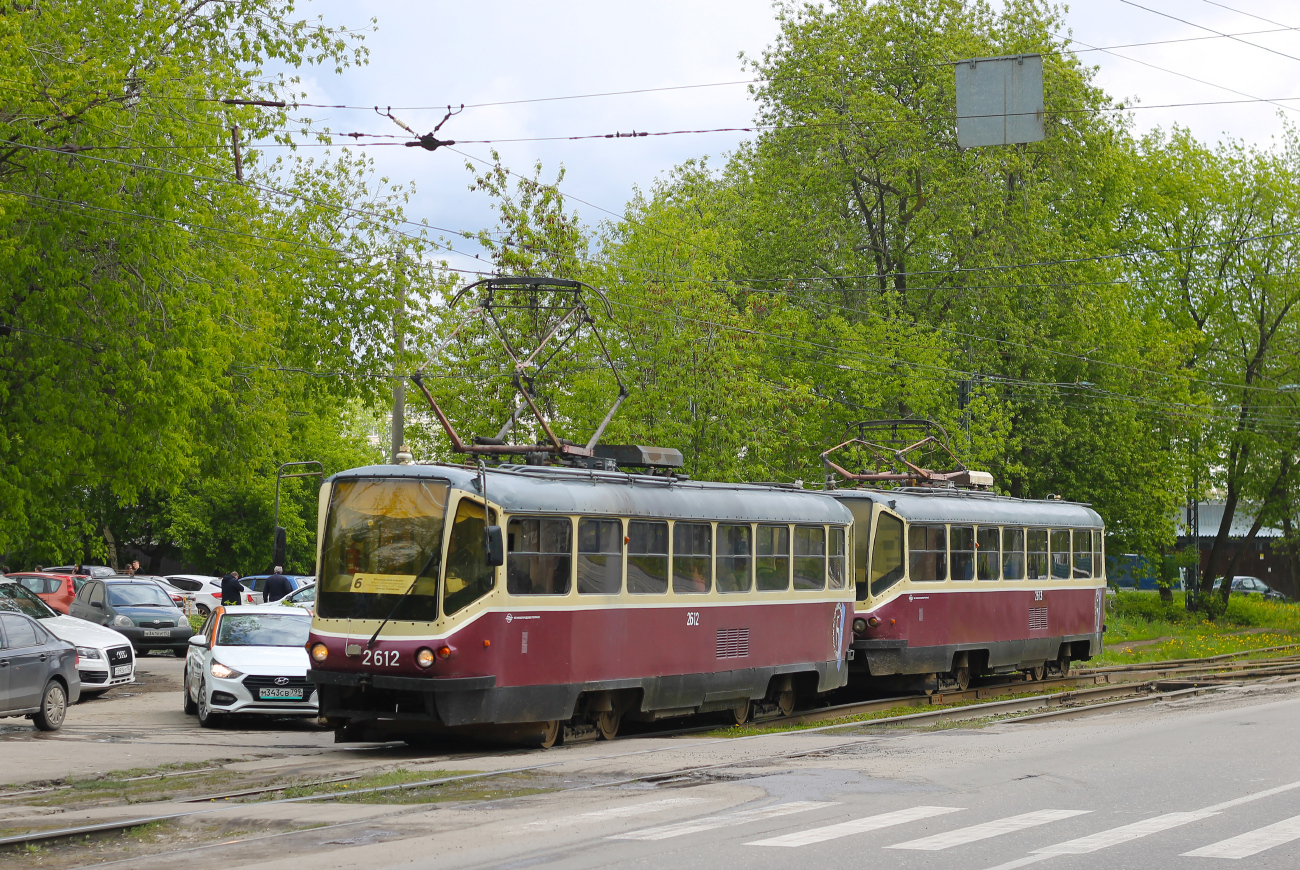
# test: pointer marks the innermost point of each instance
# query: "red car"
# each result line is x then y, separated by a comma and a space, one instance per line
56, 590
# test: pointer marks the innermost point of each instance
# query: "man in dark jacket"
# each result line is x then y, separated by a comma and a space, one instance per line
277, 586
232, 591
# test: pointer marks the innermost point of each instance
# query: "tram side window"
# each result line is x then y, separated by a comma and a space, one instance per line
600, 556
734, 558
1082, 554
1060, 544
692, 558
835, 559
772, 563
468, 577
1098, 562
647, 557
961, 540
886, 555
809, 557
988, 541
1037, 553
541, 556
929, 548
1013, 554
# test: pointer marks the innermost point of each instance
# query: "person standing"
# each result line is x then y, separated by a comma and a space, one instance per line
277, 586
231, 589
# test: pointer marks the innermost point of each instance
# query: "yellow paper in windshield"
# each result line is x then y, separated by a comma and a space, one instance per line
384, 584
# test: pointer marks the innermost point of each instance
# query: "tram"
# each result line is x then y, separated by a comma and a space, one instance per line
610, 595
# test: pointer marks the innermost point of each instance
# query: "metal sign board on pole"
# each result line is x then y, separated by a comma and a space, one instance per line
999, 100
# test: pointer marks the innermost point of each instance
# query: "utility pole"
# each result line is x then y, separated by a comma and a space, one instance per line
399, 383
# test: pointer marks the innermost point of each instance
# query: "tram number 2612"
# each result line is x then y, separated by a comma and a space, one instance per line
384, 658
692, 617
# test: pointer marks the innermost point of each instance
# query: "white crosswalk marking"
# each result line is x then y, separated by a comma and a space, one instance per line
995, 828
1112, 837
856, 826
1252, 842
616, 812
709, 823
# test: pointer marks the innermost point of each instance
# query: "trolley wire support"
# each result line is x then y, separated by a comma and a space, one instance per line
429, 142
574, 316
891, 447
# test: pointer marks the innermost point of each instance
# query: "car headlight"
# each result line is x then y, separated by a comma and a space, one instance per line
87, 653
225, 673
123, 622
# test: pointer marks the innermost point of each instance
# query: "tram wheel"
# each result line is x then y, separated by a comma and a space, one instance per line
1037, 673
962, 678
741, 712
785, 702
1064, 665
607, 724
551, 734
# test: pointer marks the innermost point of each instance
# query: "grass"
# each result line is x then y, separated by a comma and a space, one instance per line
509, 785
126, 786
1133, 617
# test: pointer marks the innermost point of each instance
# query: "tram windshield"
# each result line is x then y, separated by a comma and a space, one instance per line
383, 538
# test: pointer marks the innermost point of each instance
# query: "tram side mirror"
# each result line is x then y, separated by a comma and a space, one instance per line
494, 544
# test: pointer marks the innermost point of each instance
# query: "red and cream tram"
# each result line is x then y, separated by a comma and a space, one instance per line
616, 595
952, 582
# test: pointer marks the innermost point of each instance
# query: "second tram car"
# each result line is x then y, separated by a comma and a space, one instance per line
952, 583
616, 595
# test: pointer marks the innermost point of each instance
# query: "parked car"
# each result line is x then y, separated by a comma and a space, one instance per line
104, 656
257, 582
203, 592
173, 593
1255, 586
95, 571
56, 590
40, 672
250, 659
303, 596
139, 609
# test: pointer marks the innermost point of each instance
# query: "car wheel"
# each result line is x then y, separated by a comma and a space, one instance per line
54, 707
207, 718
180, 651
190, 707
204, 610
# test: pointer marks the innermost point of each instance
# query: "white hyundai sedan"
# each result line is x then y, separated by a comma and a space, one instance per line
250, 660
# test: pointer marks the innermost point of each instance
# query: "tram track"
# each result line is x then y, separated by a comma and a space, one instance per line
1073, 702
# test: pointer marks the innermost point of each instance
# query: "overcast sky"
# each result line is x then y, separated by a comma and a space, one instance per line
428, 53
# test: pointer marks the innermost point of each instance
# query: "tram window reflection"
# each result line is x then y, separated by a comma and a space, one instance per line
541, 556
835, 559
809, 557
734, 560
1037, 539
961, 541
1082, 554
988, 541
772, 563
1098, 562
600, 556
468, 577
692, 558
929, 552
1013, 554
647, 557
886, 555
1060, 544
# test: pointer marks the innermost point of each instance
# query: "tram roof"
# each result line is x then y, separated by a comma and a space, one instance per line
977, 508
548, 489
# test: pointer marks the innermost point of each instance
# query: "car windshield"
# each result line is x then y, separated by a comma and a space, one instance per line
137, 595
263, 629
16, 599
307, 593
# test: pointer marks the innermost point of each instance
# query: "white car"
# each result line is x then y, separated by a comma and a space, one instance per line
201, 592
250, 659
105, 658
303, 596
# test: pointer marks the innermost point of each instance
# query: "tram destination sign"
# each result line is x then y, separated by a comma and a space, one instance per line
999, 100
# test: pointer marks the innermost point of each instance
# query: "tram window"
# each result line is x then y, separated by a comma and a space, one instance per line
809, 557
961, 540
541, 556
772, 562
1060, 544
1013, 554
835, 559
861, 509
600, 557
929, 548
692, 557
734, 559
1082, 547
468, 577
1037, 539
647, 557
1098, 563
886, 555
988, 541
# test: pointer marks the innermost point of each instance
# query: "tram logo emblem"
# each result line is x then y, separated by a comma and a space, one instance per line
837, 630
510, 617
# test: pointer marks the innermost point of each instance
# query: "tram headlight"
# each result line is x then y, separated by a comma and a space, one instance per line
873, 621
859, 625
424, 657
444, 652
319, 652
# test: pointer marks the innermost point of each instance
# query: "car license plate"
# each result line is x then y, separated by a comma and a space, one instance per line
122, 671
280, 694
157, 632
